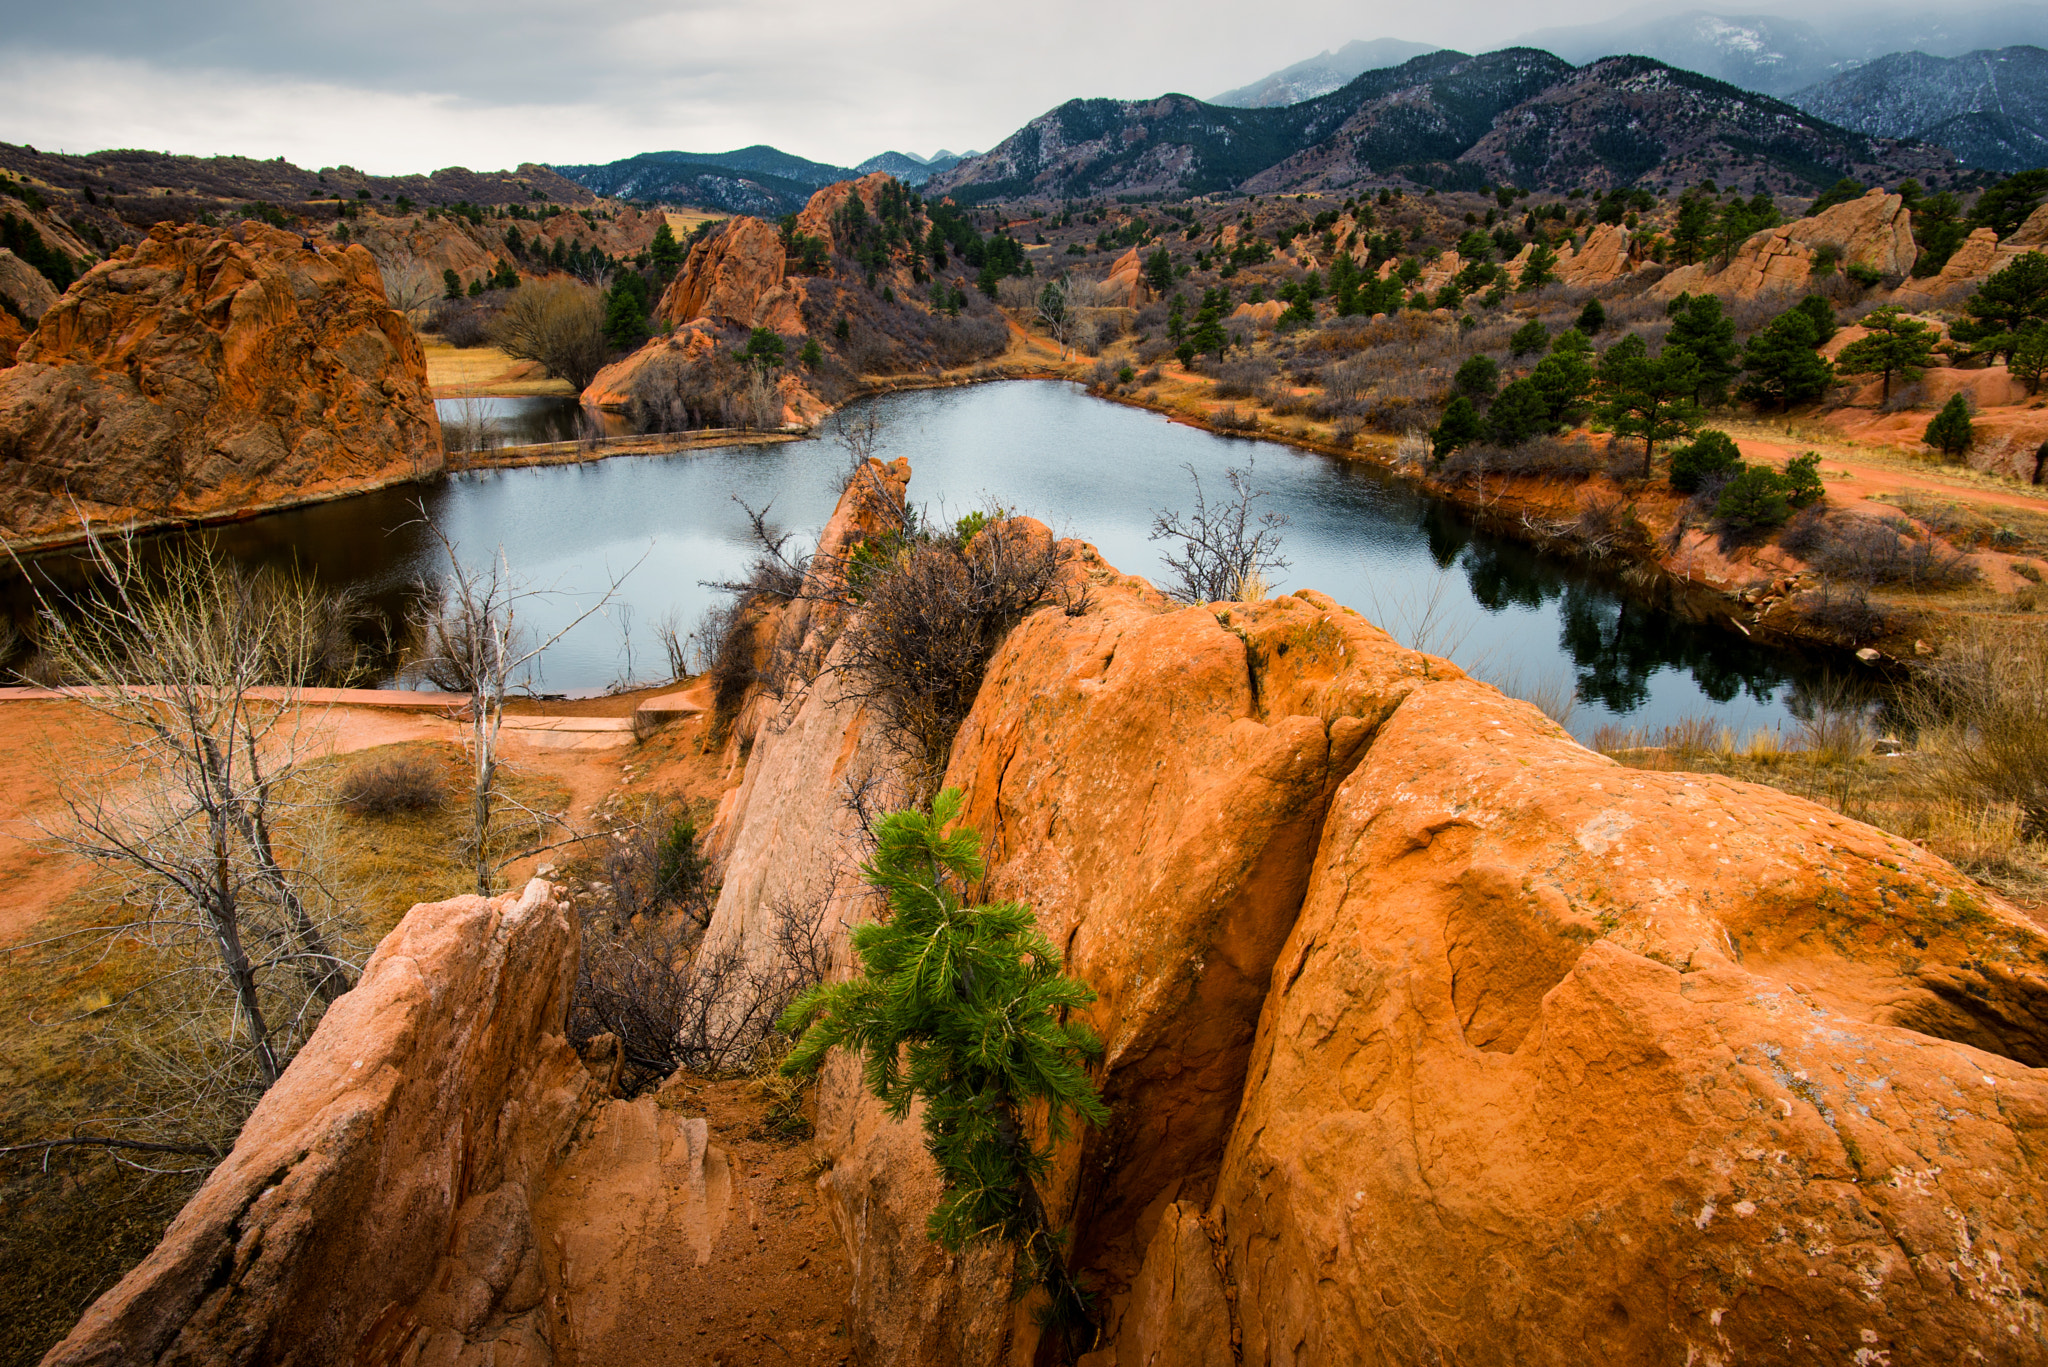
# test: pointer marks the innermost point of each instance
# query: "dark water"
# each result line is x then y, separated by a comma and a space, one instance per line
1090, 469
529, 420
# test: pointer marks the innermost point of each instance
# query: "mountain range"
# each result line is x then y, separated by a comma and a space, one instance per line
1990, 108
760, 180
1771, 54
1323, 73
1520, 115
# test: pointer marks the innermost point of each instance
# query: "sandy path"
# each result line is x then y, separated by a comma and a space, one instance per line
1869, 473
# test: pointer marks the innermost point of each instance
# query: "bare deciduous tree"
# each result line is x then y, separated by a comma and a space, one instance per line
1226, 551
192, 799
410, 286
473, 641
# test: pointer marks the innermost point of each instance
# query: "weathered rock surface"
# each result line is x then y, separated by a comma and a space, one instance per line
612, 387
1124, 287
397, 1158
25, 287
208, 372
1565, 1060
1875, 231
1603, 258
437, 1178
735, 277
1432, 1034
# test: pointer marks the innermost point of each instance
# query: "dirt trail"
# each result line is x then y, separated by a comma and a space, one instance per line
1871, 473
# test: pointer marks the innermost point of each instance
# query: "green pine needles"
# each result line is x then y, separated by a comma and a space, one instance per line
964, 1008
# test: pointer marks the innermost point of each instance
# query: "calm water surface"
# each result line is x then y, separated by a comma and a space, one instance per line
1090, 469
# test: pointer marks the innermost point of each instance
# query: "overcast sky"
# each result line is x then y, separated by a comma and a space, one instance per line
393, 86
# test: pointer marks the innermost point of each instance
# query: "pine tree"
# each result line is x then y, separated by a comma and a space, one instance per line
1530, 339
1159, 271
1951, 432
451, 283
2005, 305
1592, 318
1459, 426
1648, 397
665, 253
1705, 332
964, 1009
1896, 345
1710, 456
1783, 366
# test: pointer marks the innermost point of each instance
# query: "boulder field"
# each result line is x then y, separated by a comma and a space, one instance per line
209, 372
1430, 1036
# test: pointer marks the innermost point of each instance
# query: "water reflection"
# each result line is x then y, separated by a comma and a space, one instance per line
525, 420
1089, 469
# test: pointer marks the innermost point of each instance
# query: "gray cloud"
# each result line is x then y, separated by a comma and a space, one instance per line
398, 85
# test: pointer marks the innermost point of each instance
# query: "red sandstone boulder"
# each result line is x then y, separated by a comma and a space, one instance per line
735, 278
208, 372
26, 290
1125, 286
1567, 1062
1875, 231
1602, 259
815, 218
414, 1128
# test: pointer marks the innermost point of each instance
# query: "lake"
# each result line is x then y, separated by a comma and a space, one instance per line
1089, 469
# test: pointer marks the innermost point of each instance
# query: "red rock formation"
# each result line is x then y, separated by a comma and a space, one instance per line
1125, 287
399, 1154
1550, 1054
815, 218
1264, 316
612, 387
735, 277
1602, 259
1564, 1060
12, 335
209, 372
436, 1178
1874, 231
24, 288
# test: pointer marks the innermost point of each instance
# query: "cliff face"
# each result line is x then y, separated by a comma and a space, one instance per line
1874, 231
1430, 1033
211, 372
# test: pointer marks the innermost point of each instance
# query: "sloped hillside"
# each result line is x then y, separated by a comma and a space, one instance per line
1450, 120
1990, 108
1632, 120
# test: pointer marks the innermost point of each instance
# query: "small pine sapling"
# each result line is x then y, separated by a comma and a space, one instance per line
965, 1009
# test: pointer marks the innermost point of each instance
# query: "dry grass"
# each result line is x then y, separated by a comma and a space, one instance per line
1927, 793
72, 1225
452, 372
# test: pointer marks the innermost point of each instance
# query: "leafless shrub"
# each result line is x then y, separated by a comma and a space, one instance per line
410, 286
1230, 418
558, 323
1242, 378
1834, 722
672, 1002
676, 393
1843, 612
1981, 712
1865, 551
1608, 525
1558, 458
931, 614
1220, 550
390, 786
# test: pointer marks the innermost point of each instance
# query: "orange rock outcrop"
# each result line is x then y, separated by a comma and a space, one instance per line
1430, 1032
436, 1178
1875, 231
815, 218
736, 278
208, 372
1125, 285
24, 288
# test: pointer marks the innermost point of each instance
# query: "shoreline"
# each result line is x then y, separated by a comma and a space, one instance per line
1512, 509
